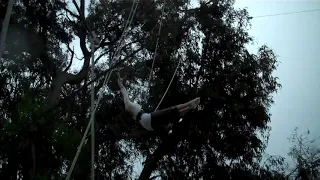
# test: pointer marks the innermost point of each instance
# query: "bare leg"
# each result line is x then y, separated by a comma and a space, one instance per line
184, 111
191, 104
163, 117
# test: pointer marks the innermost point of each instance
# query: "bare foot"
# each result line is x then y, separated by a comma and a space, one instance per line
195, 103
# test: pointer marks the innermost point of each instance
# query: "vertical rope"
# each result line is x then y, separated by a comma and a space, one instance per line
128, 23
174, 74
156, 48
84, 136
5, 26
92, 106
107, 78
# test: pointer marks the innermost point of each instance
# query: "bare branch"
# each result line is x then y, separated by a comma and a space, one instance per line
71, 59
60, 80
80, 59
57, 83
71, 78
71, 13
103, 54
100, 56
77, 7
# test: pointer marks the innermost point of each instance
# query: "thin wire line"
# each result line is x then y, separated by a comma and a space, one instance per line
288, 13
165, 93
158, 36
93, 43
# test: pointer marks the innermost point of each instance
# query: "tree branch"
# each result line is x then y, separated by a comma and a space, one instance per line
166, 147
77, 7
61, 78
71, 13
77, 78
57, 83
71, 59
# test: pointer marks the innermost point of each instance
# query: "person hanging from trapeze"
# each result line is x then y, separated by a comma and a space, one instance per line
158, 119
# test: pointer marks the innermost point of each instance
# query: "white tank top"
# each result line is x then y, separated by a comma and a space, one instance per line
135, 109
145, 120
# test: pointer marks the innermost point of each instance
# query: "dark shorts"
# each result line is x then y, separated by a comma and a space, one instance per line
162, 118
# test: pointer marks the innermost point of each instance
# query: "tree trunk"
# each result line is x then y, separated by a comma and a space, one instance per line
166, 147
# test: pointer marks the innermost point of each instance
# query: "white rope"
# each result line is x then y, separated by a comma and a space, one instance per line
174, 74
93, 43
154, 58
124, 33
5, 26
82, 141
100, 96
156, 48
175, 71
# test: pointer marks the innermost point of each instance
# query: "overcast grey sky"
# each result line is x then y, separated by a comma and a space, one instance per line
295, 39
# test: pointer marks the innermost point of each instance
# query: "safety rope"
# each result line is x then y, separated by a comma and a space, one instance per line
158, 36
154, 58
5, 26
174, 74
93, 43
135, 3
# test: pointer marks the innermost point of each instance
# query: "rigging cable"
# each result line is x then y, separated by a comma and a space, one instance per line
135, 3
157, 41
93, 42
288, 13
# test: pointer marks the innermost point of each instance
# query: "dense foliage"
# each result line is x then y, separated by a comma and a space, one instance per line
45, 98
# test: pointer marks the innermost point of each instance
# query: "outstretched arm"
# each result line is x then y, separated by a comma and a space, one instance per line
123, 91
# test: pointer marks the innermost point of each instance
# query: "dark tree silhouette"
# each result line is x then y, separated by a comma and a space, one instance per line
306, 156
45, 100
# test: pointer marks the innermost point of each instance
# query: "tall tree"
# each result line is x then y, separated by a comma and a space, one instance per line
40, 136
306, 156
45, 102
235, 89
